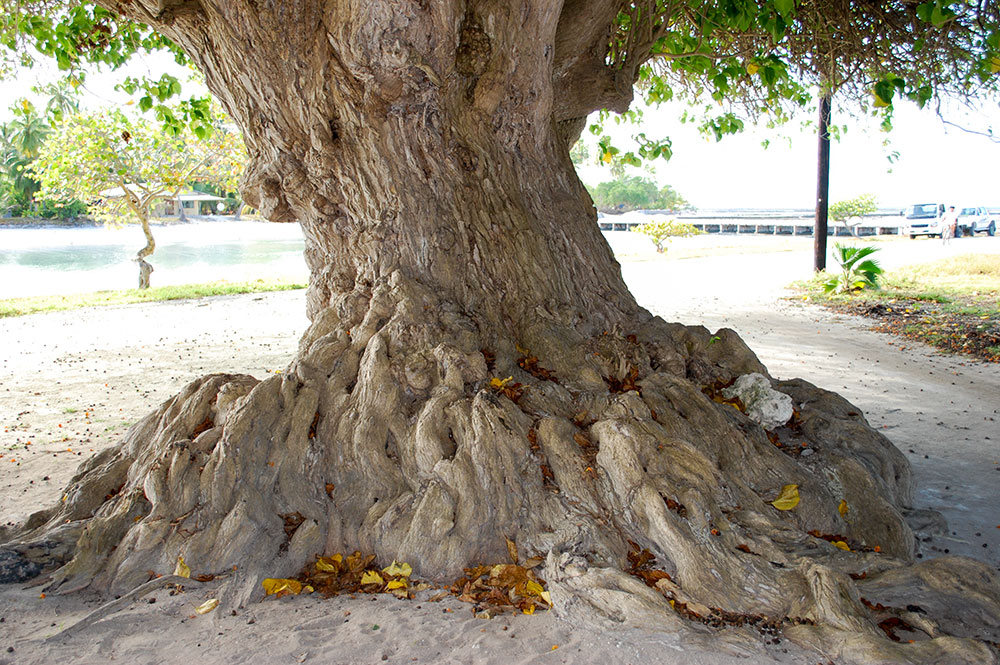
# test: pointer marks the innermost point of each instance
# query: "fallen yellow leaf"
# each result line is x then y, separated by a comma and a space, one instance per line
533, 588
546, 597
842, 508
207, 606
371, 577
530, 609
395, 584
498, 383
325, 566
279, 586
840, 544
512, 550
398, 569
788, 498
182, 568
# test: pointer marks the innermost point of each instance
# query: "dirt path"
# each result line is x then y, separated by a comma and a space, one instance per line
71, 382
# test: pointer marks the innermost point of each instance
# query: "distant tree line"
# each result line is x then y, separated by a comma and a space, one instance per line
626, 193
21, 139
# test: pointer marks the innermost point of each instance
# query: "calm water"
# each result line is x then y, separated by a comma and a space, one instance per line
77, 260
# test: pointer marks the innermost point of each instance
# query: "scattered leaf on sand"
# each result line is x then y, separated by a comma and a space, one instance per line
284, 587
788, 498
182, 569
207, 606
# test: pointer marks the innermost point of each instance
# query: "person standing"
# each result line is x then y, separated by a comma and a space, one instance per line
949, 221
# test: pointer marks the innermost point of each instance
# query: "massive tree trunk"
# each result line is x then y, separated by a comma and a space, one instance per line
424, 149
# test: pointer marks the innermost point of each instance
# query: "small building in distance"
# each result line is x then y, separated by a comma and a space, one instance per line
191, 203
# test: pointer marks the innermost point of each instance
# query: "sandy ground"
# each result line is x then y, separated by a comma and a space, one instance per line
71, 382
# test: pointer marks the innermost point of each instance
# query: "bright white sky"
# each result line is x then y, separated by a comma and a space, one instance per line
935, 162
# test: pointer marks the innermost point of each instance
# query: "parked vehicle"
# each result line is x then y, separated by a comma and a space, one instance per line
924, 219
975, 220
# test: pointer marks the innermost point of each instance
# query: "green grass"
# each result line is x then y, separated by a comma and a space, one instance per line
952, 304
965, 284
34, 305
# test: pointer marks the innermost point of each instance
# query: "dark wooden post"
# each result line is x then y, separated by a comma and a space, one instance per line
822, 184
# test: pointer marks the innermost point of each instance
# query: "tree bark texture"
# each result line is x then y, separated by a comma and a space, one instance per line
424, 149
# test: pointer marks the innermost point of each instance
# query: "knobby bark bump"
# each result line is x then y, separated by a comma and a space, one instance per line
450, 243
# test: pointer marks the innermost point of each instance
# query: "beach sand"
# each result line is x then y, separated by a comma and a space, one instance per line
71, 382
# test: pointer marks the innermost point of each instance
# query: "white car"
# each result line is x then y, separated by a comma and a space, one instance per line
924, 219
975, 220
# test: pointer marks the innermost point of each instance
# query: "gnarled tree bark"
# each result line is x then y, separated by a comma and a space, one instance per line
424, 149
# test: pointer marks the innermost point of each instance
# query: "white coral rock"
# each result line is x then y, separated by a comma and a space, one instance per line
764, 404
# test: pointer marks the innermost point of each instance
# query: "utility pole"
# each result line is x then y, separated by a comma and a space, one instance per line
822, 184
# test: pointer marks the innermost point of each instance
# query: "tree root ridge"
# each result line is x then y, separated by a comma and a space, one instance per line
395, 431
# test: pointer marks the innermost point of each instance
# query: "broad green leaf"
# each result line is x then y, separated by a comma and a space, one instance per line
784, 7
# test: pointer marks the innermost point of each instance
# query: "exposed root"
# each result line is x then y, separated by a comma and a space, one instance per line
383, 438
120, 603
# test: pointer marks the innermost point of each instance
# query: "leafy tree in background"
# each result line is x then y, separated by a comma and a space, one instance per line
63, 98
124, 165
842, 211
662, 230
424, 149
636, 193
20, 140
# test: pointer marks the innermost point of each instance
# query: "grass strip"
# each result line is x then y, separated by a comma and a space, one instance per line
952, 304
37, 304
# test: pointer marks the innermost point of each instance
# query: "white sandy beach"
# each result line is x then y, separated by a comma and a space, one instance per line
71, 382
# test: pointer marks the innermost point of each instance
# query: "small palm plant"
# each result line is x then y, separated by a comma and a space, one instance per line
857, 271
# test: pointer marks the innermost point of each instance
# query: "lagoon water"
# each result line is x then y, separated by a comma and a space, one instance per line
50, 261
59, 261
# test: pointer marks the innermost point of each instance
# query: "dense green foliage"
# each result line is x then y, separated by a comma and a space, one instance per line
21, 139
761, 61
77, 34
636, 193
88, 155
734, 59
